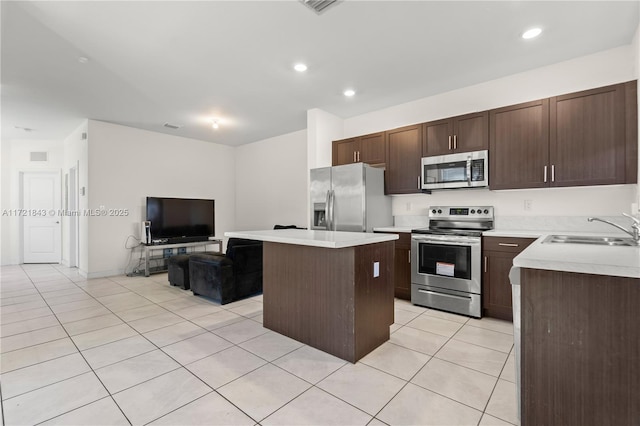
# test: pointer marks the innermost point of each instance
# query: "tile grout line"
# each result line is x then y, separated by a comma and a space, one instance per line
91, 370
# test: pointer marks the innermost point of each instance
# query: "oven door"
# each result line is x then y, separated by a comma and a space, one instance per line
447, 262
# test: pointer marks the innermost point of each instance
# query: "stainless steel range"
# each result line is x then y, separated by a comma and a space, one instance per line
445, 259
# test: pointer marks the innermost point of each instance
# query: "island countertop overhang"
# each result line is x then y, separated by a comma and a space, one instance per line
304, 237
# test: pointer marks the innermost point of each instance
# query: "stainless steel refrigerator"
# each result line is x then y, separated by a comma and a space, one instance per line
349, 198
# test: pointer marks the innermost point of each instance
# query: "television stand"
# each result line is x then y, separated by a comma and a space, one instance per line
156, 255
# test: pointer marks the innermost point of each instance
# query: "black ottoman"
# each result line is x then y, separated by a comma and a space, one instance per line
178, 267
212, 276
179, 270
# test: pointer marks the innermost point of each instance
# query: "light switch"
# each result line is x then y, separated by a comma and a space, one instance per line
376, 269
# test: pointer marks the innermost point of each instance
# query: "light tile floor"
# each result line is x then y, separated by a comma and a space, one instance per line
134, 350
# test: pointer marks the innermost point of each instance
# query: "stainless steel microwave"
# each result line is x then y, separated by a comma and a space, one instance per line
463, 170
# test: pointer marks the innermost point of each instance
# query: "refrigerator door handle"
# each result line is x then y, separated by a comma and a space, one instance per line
327, 212
332, 201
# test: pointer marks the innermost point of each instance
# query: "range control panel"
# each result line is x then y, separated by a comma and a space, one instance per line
458, 212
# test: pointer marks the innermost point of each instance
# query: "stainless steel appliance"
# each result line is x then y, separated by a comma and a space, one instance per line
464, 170
445, 259
349, 198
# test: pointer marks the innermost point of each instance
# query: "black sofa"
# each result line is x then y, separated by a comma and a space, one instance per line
231, 276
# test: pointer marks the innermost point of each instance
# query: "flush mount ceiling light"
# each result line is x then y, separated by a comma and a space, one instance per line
349, 93
318, 6
531, 33
83, 59
300, 67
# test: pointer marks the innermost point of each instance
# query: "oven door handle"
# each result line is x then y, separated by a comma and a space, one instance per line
443, 294
466, 242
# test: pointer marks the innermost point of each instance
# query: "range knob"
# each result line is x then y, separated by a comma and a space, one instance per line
433, 211
439, 211
479, 211
486, 211
472, 211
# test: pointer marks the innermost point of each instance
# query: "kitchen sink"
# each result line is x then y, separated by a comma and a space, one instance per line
598, 241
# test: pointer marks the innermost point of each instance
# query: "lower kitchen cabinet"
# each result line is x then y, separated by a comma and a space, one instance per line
498, 254
402, 267
580, 346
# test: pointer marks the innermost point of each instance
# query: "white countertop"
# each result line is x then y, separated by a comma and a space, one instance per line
394, 229
303, 237
513, 233
582, 258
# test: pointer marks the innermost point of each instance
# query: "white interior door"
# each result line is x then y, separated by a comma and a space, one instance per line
41, 222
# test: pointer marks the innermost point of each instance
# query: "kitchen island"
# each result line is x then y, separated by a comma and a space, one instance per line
577, 342
330, 290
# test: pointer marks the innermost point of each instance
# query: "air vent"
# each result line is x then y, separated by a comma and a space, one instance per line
172, 126
38, 156
318, 5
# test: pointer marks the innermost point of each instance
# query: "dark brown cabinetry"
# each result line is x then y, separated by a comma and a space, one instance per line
498, 254
464, 133
580, 349
583, 138
519, 146
587, 137
368, 149
402, 266
404, 151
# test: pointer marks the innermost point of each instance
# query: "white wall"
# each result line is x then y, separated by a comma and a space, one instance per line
271, 187
322, 129
600, 69
126, 165
76, 155
6, 255
15, 159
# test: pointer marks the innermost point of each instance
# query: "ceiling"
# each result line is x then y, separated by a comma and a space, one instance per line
182, 62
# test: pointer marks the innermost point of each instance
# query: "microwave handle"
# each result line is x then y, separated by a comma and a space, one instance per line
469, 171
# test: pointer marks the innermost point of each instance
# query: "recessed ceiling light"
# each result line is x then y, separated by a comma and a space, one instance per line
300, 67
83, 60
532, 33
349, 92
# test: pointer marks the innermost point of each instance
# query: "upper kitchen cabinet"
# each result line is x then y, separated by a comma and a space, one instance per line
404, 151
464, 133
368, 149
587, 141
519, 146
583, 138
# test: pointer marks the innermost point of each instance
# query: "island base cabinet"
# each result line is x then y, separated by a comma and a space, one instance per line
329, 298
580, 349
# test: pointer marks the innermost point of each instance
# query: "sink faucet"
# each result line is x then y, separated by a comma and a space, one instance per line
635, 226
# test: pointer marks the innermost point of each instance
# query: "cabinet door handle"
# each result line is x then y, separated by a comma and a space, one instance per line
545, 174
553, 173
508, 244
354, 156
419, 182
485, 264
455, 141
449, 142
409, 257
358, 155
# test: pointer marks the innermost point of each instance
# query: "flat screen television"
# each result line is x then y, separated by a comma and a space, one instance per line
180, 220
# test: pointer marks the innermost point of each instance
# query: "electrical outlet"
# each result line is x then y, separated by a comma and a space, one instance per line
527, 205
